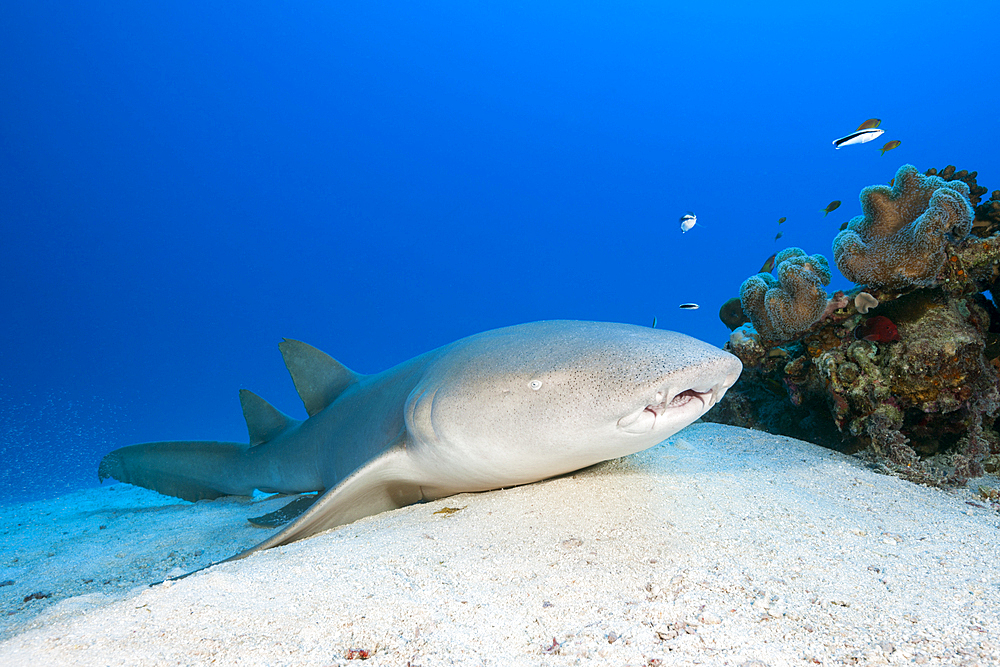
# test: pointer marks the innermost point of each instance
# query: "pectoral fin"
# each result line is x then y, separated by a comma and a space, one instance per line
383, 484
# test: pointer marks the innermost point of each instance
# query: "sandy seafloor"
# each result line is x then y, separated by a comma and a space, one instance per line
720, 546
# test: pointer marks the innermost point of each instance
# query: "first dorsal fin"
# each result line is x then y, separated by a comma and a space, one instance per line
264, 421
318, 377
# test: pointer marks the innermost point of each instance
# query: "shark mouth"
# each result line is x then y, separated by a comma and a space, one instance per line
680, 399
678, 410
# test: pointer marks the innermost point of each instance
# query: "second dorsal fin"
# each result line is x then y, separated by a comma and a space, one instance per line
318, 377
264, 421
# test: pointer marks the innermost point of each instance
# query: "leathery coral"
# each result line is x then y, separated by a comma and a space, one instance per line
902, 237
783, 307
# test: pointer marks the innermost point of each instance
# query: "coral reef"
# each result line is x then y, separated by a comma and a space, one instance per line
987, 220
976, 191
903, 370
901, 239
781, 308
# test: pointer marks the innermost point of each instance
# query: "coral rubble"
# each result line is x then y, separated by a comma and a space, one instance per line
903, 367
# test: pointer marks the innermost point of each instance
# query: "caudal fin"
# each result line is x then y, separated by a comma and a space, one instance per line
188, 470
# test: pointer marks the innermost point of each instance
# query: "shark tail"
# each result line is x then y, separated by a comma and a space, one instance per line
203, 470
187, 470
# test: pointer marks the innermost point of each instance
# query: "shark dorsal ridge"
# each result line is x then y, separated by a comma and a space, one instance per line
264, 421
318, 377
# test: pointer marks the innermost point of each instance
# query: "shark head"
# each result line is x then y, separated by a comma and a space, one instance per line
679, 396
546, 398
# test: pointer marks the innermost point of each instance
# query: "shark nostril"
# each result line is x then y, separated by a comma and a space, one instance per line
658, 398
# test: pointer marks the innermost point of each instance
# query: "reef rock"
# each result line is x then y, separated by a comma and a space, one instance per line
732, 315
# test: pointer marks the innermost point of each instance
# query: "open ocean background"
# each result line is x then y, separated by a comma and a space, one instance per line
183, 184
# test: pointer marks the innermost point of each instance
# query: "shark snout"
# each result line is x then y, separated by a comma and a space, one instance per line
678, 403
707, 383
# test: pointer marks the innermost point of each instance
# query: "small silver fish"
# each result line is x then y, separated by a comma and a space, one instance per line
689, 306
688, 220
858, 137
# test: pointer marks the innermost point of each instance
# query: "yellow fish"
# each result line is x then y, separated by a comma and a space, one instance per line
870, 124
831, 207
768, 265
447, 511
889, 146
781, 220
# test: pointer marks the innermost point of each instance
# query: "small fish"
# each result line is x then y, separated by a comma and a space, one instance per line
859, 137
781, 220
654, 322
831, 207
688, 220
870, 124
447, 511
689, 306
889, 146
778, 235
879, 329
892, 181
768, 265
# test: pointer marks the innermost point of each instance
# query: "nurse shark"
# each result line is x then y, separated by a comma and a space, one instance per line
497, 409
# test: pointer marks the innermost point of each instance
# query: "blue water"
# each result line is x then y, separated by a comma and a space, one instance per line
184, 184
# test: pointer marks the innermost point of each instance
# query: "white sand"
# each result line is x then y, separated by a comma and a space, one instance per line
721, 546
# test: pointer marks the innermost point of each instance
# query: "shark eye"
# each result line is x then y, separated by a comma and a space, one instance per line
536, 384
